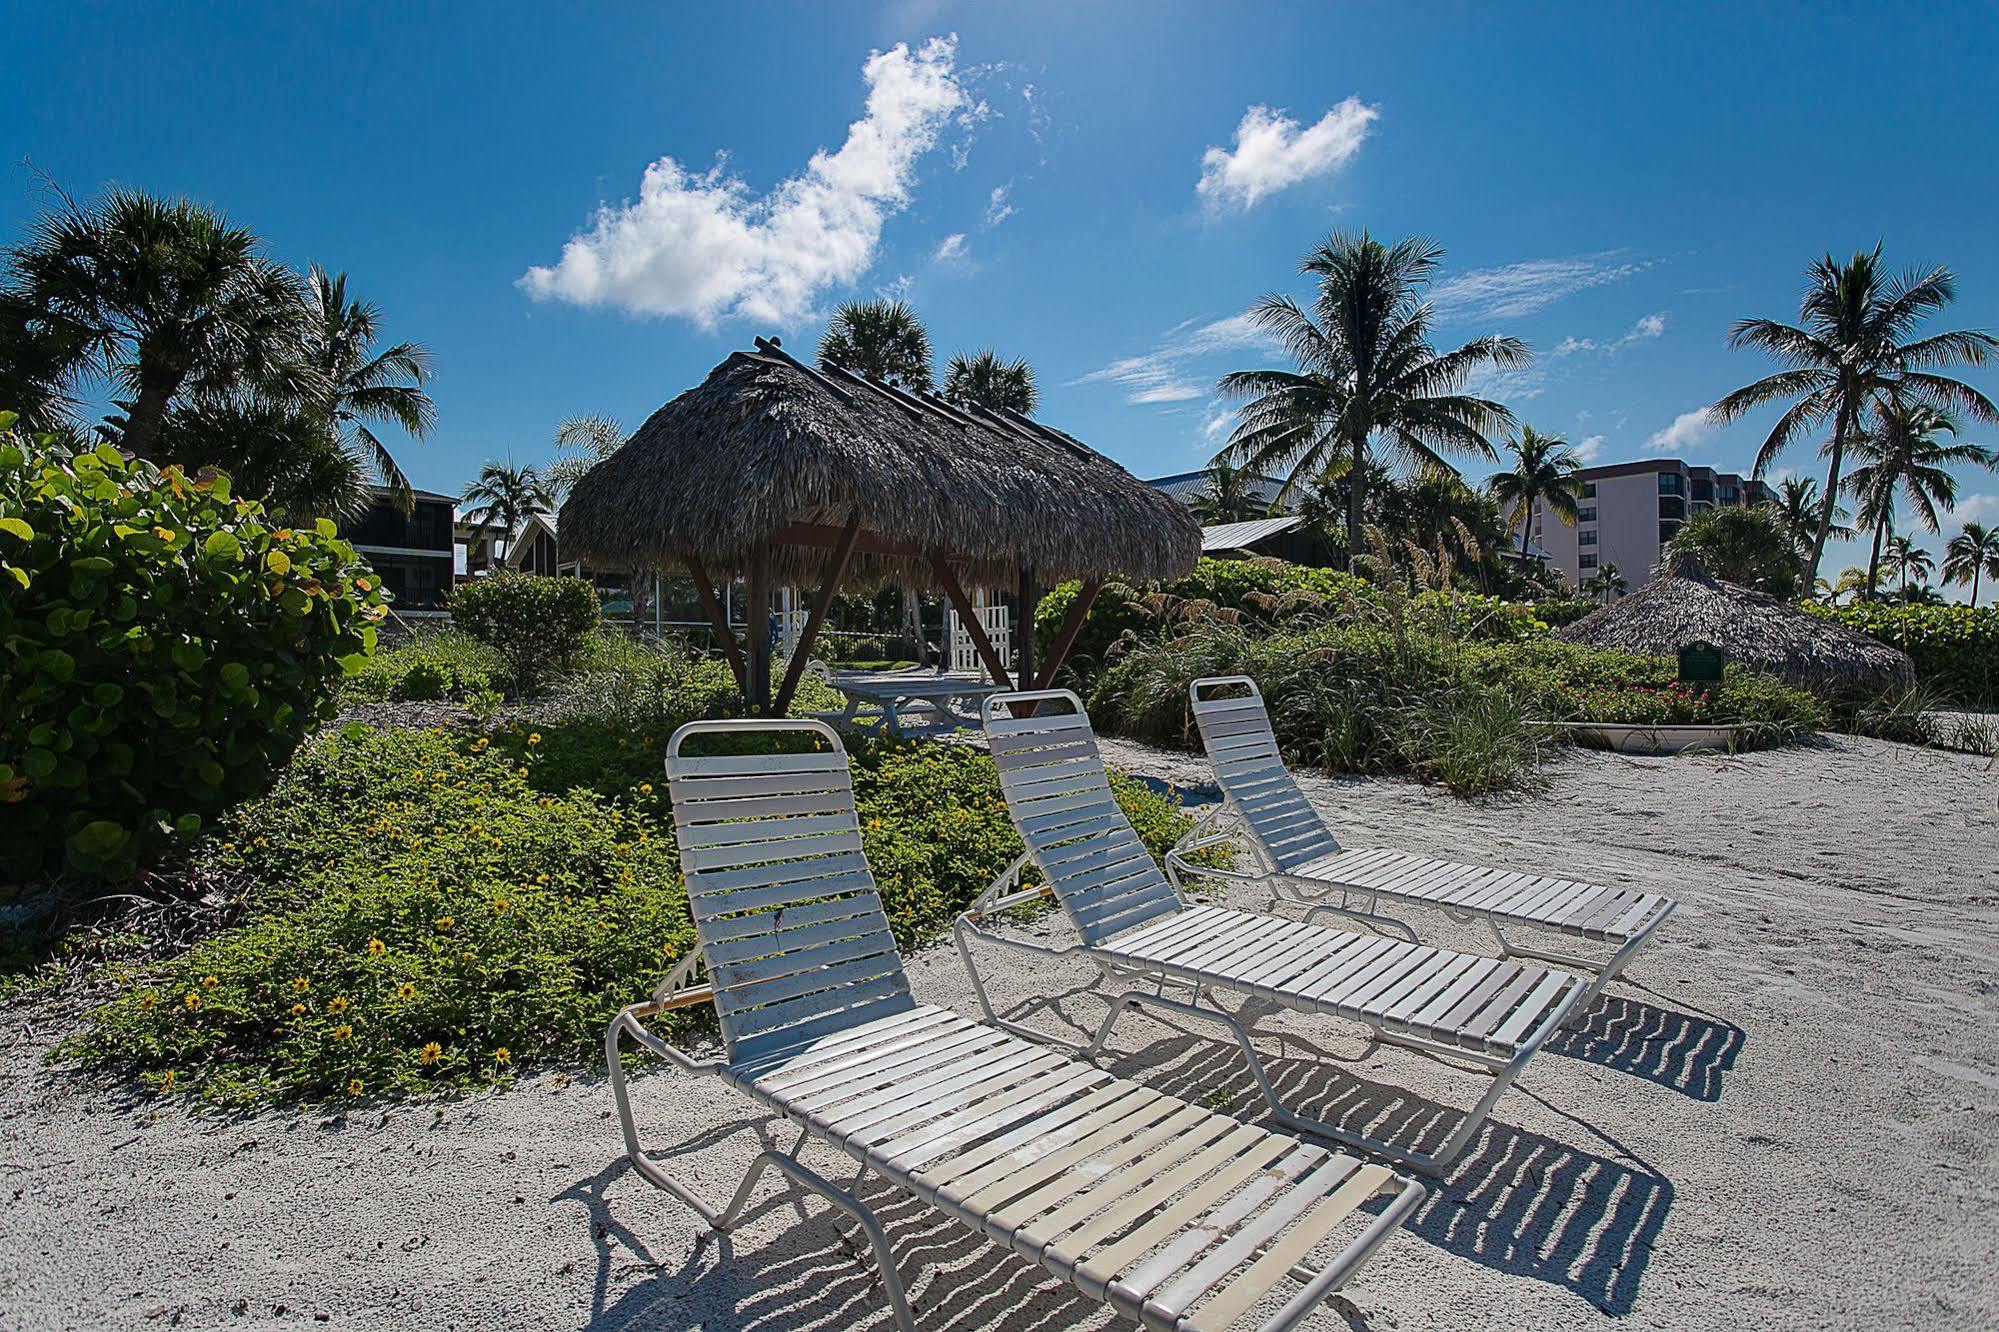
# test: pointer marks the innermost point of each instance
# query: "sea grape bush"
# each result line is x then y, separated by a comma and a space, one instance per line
1955, 648
539, 625
164, 647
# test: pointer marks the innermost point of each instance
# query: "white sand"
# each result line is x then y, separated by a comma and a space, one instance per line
1785, 1118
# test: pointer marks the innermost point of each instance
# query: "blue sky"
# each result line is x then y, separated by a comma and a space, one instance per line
584, 208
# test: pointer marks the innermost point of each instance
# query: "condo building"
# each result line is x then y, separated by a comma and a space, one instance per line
1629, 511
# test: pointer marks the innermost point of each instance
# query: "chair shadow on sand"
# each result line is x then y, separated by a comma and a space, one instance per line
1517, 1202
1680, 1051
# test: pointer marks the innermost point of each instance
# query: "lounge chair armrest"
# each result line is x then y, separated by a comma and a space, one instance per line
630, 1022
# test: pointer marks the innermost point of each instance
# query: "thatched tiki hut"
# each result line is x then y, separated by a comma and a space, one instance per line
776, 472
1685, 604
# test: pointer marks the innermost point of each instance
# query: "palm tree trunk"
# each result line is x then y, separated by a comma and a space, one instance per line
1526, 526
149, 411
1355, 479
1974, 587
1874, 560
912, 624
1841, 421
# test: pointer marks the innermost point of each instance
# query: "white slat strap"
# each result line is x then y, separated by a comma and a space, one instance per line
1171, 1213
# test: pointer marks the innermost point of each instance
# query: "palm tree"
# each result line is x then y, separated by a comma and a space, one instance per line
1905, 558
880, 339
1606, 583
1852, 582
1367, 378
358, 384
1972, 552
1797, 507
1853, 346
581, 442
1544, 471
1229, 496
1742, 543
1905, 459
161, 297
984, 380
505, 496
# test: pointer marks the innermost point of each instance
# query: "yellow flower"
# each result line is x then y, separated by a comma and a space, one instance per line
445, 922
298, 1010
499, 905
524, 772
336, 1005
503, 1056
191, 1001
167, 1080
301, 984
353, 1086
406, 991
429, 1054
541, 878
210, 982
375, 947
342, 1032
645, 788
148, 1000
534, 737
227, 847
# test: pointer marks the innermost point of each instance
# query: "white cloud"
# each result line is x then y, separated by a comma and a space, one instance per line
1217, 421
702, 245
1507, 384
998, 209
1689, 430
1976, 509
1272, 152
1651, 326
951, 247
1590, 449
1164, 375
1513, 290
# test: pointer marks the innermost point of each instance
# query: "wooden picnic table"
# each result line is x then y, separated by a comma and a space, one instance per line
909, 702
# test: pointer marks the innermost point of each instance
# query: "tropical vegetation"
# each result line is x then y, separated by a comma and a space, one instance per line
1746, 544
164, 646
984, 380
1972, 555
880, 339
1905, 465
1368, 385
1856, 345
1543, 475
214, 353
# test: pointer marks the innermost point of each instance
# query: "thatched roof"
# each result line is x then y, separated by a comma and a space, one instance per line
1685, 604
767, 442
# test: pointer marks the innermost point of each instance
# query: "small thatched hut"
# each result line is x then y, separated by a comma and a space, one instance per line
1685, 604
775, 471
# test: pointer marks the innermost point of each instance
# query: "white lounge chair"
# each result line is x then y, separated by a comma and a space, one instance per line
1296, 855
1132, 921
1173, 1215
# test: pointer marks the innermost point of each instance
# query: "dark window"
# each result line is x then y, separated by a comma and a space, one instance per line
1672, 507
1587, 562
1586, 538
1586, 514
416, 583
1589, 490
1703, 490
1672, 483
427, 528
1666, 531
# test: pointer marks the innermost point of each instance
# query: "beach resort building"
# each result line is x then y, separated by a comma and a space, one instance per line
415, 553
1629, 511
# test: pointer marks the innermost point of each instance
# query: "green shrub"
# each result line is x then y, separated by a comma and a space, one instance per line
430, 665
538, 625
1376, 697
1955, 648
498, 899
163, 649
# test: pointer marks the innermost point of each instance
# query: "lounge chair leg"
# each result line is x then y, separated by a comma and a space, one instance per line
810, 1180
641, 1162
1370, 918
959, 934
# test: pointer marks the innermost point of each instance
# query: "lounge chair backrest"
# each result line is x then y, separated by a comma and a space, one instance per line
1060, 798
1251, 772
790, 924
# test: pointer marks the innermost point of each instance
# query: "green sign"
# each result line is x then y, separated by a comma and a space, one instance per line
1701, 663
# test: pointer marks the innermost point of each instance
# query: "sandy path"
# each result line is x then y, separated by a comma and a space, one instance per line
1787, 1117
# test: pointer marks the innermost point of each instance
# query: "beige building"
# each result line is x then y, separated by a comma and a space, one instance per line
1629, 511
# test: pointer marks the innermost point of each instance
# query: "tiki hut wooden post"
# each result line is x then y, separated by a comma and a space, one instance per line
775, 472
